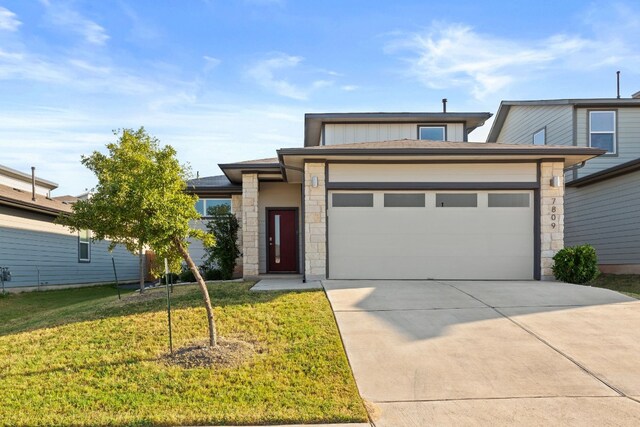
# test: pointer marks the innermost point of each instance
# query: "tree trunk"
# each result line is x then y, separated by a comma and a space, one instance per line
213, 335
141, 268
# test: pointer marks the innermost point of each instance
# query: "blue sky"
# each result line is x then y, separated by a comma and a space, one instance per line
230, 80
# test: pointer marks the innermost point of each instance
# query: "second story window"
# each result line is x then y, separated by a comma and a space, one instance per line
202, 205
432, 133
540, 137
602, 130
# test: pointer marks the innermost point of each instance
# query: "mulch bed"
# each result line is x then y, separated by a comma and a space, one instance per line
228, 353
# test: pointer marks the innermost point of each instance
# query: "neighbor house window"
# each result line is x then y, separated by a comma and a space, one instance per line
602, 130
84, 246
540, 137
203, 205
432, 133
456, 200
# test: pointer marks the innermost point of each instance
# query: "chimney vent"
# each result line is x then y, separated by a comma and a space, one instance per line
618, 84
33, 183
444, 105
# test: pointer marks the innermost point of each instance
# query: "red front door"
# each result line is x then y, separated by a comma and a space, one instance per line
282, 241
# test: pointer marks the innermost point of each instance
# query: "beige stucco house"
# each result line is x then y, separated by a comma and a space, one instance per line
398, 196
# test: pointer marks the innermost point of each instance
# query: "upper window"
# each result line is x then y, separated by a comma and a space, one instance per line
203, 205
602, 130
432, 133
84, 246
540, 137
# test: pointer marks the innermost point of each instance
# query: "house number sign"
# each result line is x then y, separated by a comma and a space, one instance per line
553, 213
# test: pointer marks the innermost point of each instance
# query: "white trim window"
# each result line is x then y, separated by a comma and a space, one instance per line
432, 133
602, 130
84, 246
540, 137
203, 205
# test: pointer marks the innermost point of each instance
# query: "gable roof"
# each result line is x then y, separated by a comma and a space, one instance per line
22, 200
505, 107
603, 175
313, 121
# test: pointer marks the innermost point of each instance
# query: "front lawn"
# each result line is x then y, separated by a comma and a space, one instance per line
81, 357
628, 284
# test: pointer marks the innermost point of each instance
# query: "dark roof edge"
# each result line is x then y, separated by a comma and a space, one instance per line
406, 114
224, 166
498, 122
603, 175
441, 151
29, 206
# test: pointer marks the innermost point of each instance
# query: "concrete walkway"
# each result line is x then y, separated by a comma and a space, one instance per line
491, 353
285, 285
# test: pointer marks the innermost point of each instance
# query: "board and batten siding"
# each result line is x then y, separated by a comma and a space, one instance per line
523, 121
607, 216
429, 172
30, 242
348, 133
628, 138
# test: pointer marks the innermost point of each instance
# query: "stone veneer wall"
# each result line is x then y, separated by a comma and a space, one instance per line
315, 222
250, 263
551, 216
236, 208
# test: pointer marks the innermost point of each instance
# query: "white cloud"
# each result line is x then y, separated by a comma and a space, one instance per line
456, 55
63, 16
8, 20
349, 88
210, 62
264, 73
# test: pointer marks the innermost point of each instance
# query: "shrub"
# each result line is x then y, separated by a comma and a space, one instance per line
173, 278
577, 264
213, 274
187, 276
224, 227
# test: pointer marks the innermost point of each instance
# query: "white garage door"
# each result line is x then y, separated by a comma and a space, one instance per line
431, 235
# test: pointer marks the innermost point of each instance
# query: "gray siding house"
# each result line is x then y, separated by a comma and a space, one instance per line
602, 205
42, 254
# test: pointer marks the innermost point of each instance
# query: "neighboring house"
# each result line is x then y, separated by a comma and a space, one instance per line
398, 196
603, 196
40, 253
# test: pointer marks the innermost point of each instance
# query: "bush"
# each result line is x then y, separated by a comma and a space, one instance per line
187, 276
577, 264
224, 227
213, 274
173, 278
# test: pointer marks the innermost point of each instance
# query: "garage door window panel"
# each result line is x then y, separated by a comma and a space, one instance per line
456, 200
400, 200
352, 200
509, 200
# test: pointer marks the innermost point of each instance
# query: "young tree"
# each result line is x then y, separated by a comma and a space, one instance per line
224, 226
140, 201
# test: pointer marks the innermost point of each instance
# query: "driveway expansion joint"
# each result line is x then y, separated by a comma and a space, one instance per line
548, 344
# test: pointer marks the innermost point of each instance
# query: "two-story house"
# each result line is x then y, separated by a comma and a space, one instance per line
40, 253
398, 196
602, 202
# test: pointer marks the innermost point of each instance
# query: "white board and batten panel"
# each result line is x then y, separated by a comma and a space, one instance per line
430, 242
432, 172
349, 133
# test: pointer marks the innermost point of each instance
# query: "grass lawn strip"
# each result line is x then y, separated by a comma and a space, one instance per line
81, 357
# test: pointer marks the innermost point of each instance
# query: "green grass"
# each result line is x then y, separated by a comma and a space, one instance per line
81, 357
628, 284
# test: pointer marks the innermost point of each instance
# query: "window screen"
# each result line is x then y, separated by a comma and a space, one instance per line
352, 200
397, 200
514, 200
456, 200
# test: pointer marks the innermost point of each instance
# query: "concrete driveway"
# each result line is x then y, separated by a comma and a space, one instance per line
491, 353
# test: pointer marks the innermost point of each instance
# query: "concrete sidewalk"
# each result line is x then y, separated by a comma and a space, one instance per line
285, 285
491, 353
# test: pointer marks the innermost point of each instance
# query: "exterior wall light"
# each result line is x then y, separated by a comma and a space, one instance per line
314, 181
556, 181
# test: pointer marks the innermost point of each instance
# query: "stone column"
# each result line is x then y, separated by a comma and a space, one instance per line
551, 216
315, 222
236, 208
250, 266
